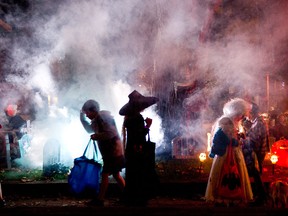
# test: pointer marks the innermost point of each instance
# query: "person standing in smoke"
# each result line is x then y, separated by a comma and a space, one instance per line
140, 177
15, 127
225, 131
280, 130
258, 135
104, 131
2, 201
255, 146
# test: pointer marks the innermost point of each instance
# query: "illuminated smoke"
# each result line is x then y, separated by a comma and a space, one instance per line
75, 50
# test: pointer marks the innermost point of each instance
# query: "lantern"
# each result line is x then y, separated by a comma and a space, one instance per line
274, 159
202, 157
280, 148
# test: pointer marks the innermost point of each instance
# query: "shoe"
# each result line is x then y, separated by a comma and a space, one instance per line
2, 203
96, 202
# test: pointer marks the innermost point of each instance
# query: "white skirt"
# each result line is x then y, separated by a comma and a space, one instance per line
214, 176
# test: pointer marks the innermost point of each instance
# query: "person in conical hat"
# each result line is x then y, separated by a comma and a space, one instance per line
140, 177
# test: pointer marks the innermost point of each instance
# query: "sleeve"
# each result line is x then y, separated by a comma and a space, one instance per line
85, 123
219, 143
106, 127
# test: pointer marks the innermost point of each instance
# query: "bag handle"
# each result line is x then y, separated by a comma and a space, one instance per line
95, 149
148, 136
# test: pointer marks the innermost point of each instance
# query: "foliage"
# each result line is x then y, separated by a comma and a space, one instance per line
168, 170
183, 169
53, 172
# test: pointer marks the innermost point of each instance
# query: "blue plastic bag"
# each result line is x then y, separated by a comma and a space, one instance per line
84, 177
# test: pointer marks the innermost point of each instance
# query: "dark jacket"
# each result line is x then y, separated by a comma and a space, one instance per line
220, 142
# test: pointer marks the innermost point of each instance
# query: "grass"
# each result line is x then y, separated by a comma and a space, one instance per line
167, 169
49, 173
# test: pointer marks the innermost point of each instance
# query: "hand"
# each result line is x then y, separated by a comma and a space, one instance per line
93, 137
241, 136
148, 122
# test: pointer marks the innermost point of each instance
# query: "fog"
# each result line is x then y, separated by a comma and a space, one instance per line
66, 52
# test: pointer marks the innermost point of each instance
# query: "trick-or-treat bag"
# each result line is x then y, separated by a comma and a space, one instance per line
84, 177
151, 176
230, 181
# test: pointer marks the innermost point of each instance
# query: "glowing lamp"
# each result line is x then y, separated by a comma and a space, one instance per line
274, 159
202, 157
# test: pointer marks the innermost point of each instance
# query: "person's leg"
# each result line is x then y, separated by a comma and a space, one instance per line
120, 181
260, 158
259, 186
259, 191
103, 186
99, 201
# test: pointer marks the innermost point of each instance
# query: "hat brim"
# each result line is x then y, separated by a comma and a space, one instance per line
136, 106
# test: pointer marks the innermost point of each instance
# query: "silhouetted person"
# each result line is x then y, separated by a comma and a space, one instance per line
258, 135
140, 170
104, 131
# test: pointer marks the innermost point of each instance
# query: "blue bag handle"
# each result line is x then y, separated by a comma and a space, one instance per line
95, 150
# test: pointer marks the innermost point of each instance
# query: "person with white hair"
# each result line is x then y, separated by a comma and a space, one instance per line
225, 132
103, 129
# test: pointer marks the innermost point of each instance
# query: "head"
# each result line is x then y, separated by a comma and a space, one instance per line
282, 119
11, 110
91, 108
227, 126
254, 110
236, 109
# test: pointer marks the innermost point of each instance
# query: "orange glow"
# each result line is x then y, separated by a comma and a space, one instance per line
208, 141
202, 157
274, 159
280, 149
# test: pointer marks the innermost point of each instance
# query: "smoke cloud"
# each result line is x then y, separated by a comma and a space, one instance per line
67, 51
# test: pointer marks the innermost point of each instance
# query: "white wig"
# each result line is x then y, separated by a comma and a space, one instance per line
236, 107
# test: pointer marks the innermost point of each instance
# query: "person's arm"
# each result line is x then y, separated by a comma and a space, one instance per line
85, 123
219, 143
